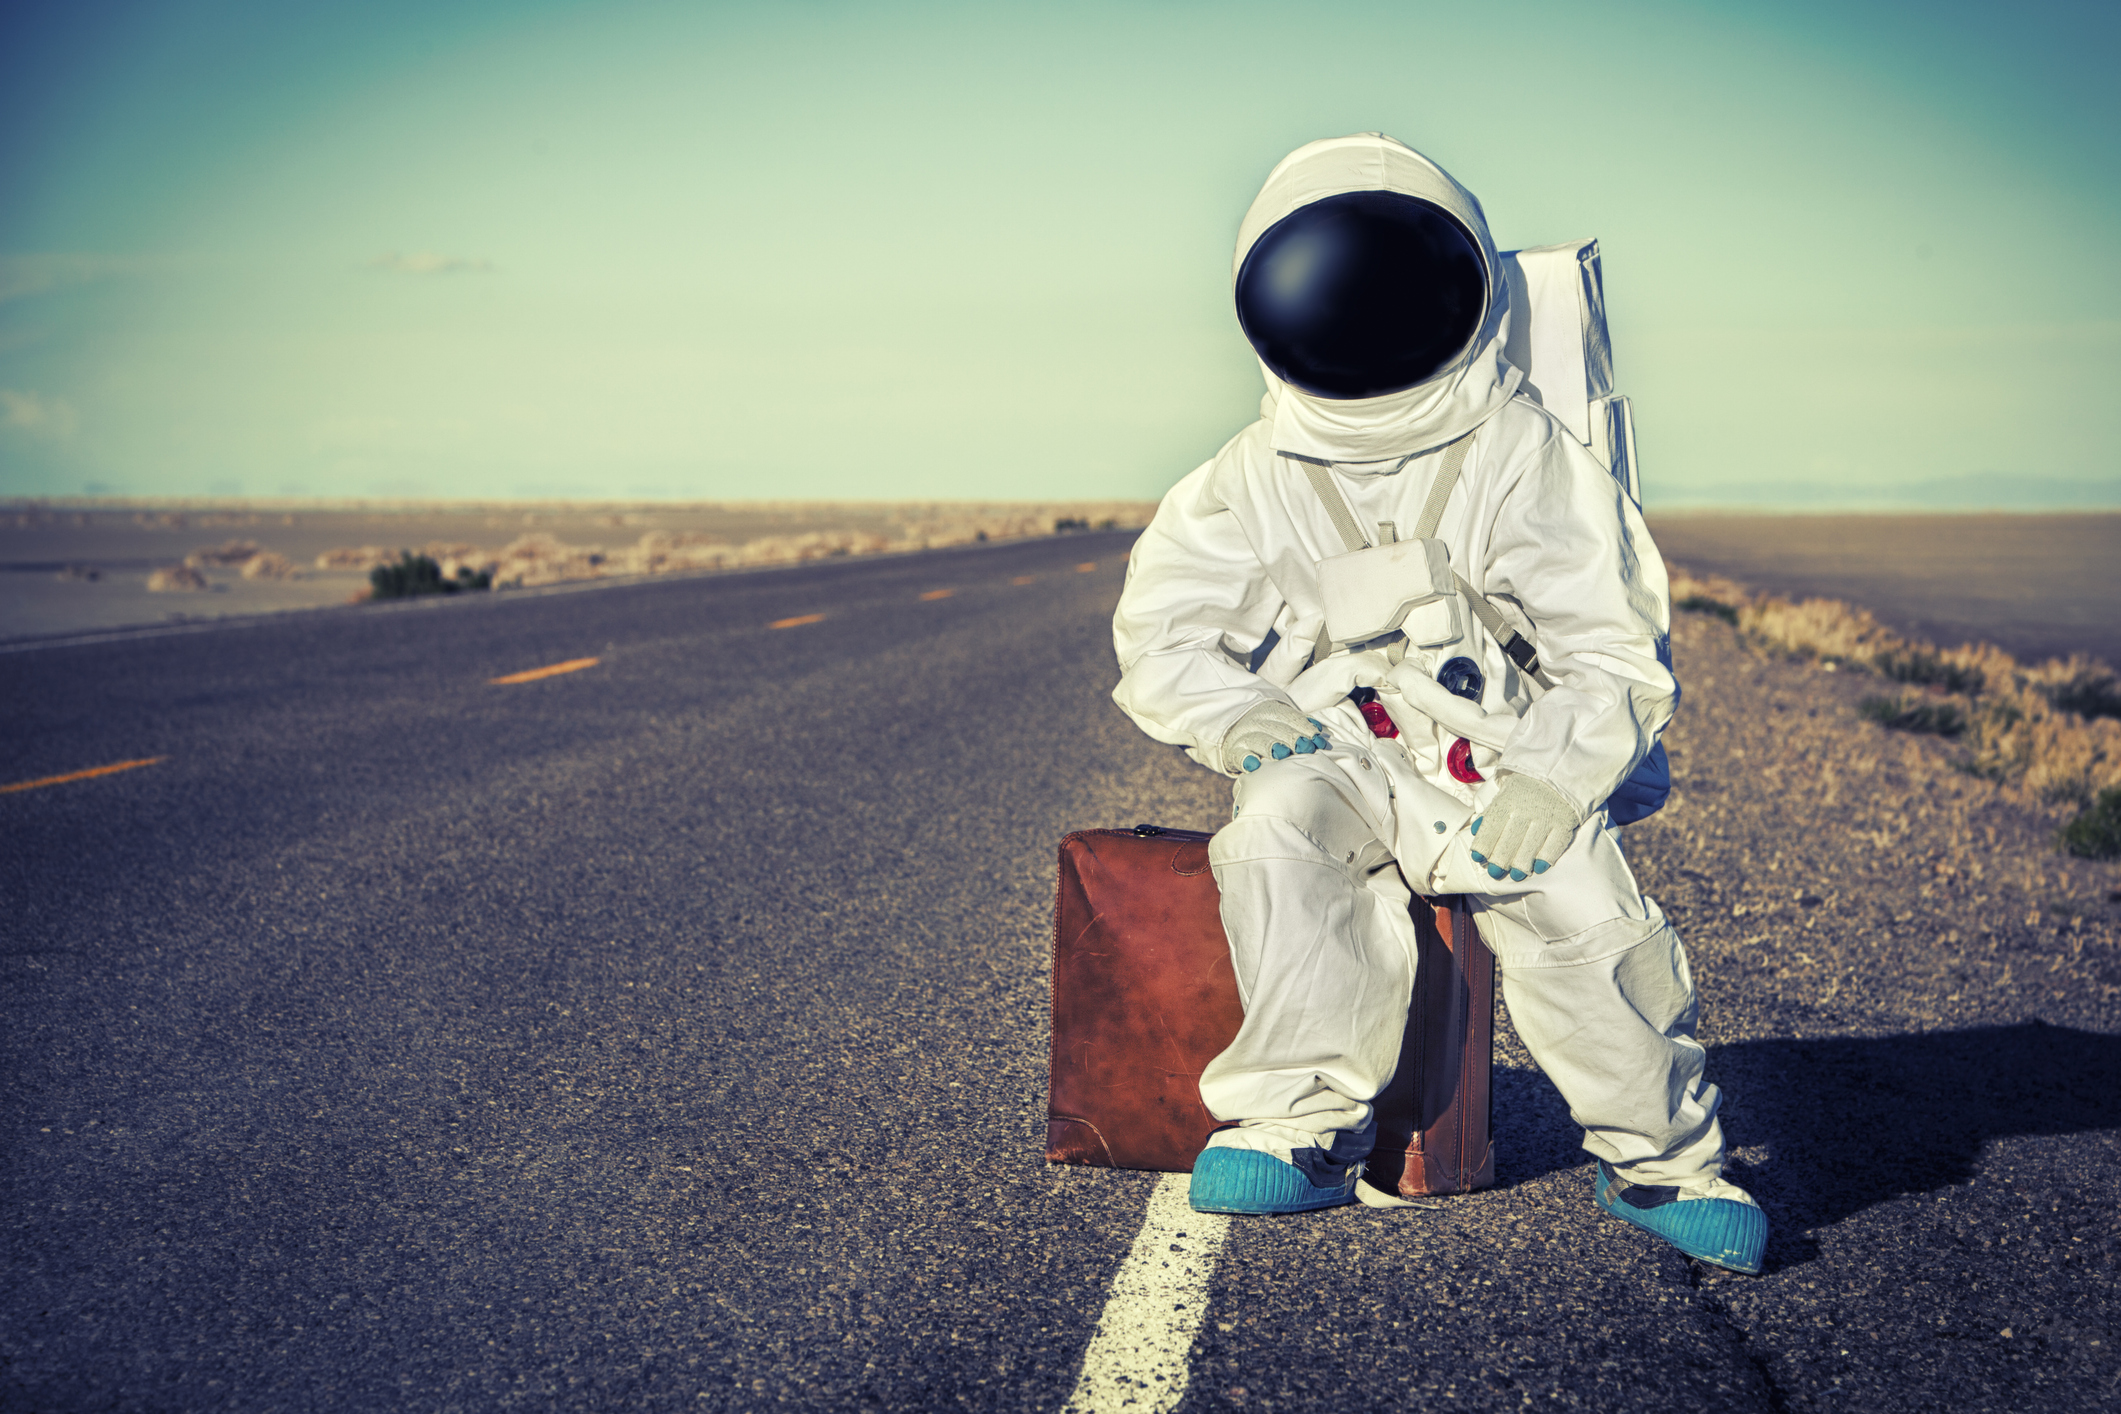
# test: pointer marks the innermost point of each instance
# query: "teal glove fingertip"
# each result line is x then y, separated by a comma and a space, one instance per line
1478, 857
1517, 876
1494, 871
1540, 866
1280, 752
1476, 826
1251, 763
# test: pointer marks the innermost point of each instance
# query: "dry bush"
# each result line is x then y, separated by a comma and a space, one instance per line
671, 551
268, 564
540, 558
2052, 732
932, 527
232, 552
176, 579
356, 557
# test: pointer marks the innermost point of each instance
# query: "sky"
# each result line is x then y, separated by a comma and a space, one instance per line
839, 250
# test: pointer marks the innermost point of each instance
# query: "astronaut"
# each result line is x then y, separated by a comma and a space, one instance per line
1393, 449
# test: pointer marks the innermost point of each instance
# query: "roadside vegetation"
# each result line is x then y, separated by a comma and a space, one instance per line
540, 558
2051, 731
414, 575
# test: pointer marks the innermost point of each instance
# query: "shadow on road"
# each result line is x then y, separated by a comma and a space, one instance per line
1849, 1123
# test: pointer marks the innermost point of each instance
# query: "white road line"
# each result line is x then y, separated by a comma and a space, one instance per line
1141, 1356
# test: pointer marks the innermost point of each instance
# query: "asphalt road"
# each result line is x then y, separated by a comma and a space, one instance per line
671, 1034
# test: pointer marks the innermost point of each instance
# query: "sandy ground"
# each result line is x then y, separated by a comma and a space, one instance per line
70, 569
2036, 586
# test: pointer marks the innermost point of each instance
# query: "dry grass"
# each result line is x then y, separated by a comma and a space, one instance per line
2051, 731
268, 564
540, 558
177, 579
232, 552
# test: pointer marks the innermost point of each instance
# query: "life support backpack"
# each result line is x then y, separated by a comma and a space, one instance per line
1558, 337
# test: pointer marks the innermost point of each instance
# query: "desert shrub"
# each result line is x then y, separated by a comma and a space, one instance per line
2079, 685
2096, 832
1901, 715
176, 579
1927, 669
414, 575
1826, 629
1703, 604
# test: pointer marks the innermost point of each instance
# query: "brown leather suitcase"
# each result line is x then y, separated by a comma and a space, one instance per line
1144, 997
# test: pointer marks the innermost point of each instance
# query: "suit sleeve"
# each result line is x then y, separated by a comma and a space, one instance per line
1196, 604
1571, 550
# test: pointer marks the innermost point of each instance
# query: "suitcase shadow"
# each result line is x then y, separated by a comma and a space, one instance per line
1849, 1123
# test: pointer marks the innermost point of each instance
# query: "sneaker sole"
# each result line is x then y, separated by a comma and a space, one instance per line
1246, 1183
1720, 1231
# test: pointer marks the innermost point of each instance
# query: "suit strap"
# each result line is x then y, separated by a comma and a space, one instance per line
1454, 462
1329, 494
1521, 650
1336, 504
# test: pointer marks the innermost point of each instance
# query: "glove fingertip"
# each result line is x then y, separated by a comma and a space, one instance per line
1280, 752
1494, 871
1478, 857
1476, 823
1517, 876
1540, 866
1251, 763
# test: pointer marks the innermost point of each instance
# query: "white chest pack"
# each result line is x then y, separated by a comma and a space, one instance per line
1405, 591
1403, 587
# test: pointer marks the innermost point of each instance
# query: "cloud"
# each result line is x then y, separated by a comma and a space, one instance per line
33, 273
427, 262
37, 415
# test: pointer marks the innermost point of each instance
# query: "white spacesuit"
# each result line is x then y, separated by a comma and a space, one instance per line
1227, 648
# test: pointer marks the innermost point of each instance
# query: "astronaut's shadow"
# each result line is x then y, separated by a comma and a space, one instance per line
1847, 1124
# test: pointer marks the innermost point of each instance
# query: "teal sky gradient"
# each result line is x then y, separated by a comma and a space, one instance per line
982, 251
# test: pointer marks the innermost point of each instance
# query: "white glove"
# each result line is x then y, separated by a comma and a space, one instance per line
1527, 826
1272, 731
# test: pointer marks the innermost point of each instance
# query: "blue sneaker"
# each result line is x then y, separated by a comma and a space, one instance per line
1723, 1231
1247, 1181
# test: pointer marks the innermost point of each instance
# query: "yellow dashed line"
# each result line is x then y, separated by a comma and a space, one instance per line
798, 621
90, 774
937, 594
1025, 579
1086, 567
572, 665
